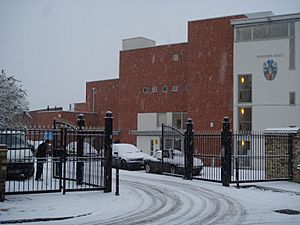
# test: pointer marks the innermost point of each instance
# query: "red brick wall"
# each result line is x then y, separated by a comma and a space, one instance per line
106, 99
210, 72
150, 67
80, 106
46, 118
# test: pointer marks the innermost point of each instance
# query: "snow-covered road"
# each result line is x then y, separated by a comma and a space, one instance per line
175, 201
156, 199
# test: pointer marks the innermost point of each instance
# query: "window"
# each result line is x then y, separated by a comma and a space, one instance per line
168, 143
274, 30
165, 88
175, 57
179, 120
263, 31
145, 90
243, 34
173, 144
245, 88
174, 88
161, 118
154, 89
245, 119
292, 98
292, 54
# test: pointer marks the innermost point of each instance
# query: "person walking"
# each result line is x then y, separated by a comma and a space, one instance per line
40, 155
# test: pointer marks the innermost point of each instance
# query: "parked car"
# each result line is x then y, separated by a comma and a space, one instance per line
20, 162
130, 157
88, 150
173, 163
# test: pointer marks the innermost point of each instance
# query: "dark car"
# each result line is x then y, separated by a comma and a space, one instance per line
20, 163
173, 163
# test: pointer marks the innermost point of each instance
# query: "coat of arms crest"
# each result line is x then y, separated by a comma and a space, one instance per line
270, 69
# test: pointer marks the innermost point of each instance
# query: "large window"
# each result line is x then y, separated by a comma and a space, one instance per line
262, 31
245, 88
173, 143
245, 119
161, 118
271, 30
179, 120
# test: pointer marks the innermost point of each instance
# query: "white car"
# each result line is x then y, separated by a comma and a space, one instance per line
130, 157
88, 150
20, 163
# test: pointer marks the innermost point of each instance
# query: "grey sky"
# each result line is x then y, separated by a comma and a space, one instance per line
55, 46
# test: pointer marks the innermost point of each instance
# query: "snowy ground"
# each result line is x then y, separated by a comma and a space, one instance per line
156, 199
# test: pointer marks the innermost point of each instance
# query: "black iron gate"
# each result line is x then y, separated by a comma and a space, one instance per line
243, 157
224, 156
177, 151
76, 160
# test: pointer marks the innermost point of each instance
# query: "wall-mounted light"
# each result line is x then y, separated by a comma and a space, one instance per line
242, 80
243, 143
242, 111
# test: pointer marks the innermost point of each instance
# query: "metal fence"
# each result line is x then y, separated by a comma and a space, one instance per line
259, 156
254, 157
228, 157
75, 159
207, 148
172, 154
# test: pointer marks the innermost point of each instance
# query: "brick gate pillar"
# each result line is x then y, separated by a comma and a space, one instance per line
3, 159
296, 158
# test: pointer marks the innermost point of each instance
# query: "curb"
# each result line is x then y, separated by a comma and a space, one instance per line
33, 220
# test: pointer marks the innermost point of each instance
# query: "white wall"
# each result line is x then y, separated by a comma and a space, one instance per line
270, 99
144, 143
147, 121
136, 43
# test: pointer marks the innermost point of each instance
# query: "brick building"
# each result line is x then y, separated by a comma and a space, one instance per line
168, 83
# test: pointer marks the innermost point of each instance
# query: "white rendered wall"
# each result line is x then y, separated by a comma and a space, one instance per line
270, 99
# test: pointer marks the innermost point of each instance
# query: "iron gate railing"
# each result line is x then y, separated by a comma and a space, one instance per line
243, 157
177, 151
76, 160
172, 157
225, 156
207, 147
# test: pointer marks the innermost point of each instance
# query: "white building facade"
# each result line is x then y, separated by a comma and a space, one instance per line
150, 128
266, 72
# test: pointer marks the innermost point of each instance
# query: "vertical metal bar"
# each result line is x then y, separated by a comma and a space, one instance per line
64, 159
117, 193
189, 150
162, 146
237, 173
80, 166
226, 153
108, 151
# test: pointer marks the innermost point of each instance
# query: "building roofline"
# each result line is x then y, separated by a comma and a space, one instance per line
264, 19
93, 81
216, 18
156, 46
140, 37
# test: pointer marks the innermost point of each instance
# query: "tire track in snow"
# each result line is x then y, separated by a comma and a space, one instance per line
165, 201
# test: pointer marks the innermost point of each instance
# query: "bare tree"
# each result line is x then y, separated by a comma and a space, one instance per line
13, 103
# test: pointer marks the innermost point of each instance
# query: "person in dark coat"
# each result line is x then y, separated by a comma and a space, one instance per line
40, 155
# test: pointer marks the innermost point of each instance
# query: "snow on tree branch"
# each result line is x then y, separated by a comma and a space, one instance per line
13, 103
